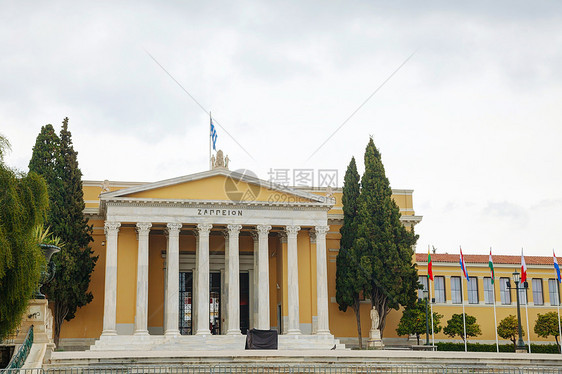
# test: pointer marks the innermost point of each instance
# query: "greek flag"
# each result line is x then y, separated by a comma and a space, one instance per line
214, 135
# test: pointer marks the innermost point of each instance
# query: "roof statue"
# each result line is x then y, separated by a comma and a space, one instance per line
220, 161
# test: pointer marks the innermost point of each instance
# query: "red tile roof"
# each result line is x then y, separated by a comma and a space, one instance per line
483, 259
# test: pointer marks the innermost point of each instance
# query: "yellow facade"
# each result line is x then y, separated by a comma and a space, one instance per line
87, 325
539, 269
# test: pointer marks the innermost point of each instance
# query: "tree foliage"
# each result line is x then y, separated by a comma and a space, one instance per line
55, 158
385, 245
23, 202
547, 325
508, 328
413, 321
455, 326
350, 280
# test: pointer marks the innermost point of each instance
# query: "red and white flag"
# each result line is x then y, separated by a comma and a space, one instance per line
523, 268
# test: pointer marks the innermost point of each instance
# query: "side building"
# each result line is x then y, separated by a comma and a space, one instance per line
450, 289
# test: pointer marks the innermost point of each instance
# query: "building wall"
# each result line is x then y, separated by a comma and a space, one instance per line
483, 312
88, 321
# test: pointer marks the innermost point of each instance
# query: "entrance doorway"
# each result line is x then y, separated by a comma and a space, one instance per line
186, 303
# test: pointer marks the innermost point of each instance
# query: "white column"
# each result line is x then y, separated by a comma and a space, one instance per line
293, 279
322, 281
254, 295
110, 295
172, 279
263, 277
141, 313
202, 261
233, 280
224, 287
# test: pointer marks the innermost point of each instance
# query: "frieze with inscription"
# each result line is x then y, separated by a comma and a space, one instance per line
220, 212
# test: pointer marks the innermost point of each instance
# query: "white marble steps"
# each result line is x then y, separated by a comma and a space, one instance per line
208, 343
310, 357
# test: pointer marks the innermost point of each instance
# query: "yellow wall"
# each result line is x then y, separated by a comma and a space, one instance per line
484, 313
88, 321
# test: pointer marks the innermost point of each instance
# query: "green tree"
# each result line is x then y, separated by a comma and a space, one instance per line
546, 325
350, 280
455, 326
412, 321
385, 245
4, 147
23, 202
59, 163
508, 328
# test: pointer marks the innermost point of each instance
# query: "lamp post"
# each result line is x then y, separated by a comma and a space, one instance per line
517, 281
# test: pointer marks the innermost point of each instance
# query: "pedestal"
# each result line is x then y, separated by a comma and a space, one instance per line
375, 340
39, 315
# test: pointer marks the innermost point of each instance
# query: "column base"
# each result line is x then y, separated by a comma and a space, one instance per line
323, 332
141, 333
172, 333
233, 332
109, 333
203, 332
293, 332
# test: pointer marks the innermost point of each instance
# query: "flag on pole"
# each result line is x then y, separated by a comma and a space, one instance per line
556, 266
491, 265
213, 135
463, 266
429, 265
523, 268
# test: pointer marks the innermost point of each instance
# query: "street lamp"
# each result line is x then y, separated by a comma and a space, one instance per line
517, 281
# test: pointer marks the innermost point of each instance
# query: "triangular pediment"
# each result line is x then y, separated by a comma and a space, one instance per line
216, 185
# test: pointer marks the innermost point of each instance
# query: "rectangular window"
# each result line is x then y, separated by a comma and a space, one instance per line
439, 289
488, 290
423, 280
456, 295
537, 291
553, 292
505, 293
472, 286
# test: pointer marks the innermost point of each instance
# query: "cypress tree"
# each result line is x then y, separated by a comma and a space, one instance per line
349, 277
386, 246
75, 263
23, 202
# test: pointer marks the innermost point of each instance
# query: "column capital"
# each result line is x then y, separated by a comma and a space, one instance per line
234, 229
143, 227
263, 229
204, 228
282, 236
173, 228
321, 230
292, 230
254, 235
111, 226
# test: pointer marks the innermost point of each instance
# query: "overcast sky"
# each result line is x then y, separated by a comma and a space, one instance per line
471, 123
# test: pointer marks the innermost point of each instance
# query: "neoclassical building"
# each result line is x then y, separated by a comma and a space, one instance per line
199, 259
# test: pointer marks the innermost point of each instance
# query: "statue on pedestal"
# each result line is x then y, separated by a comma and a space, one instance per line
375, 339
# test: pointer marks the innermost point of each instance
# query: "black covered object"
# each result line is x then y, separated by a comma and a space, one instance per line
261, 339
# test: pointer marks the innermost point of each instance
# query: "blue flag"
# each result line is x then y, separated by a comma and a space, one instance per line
214, 135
